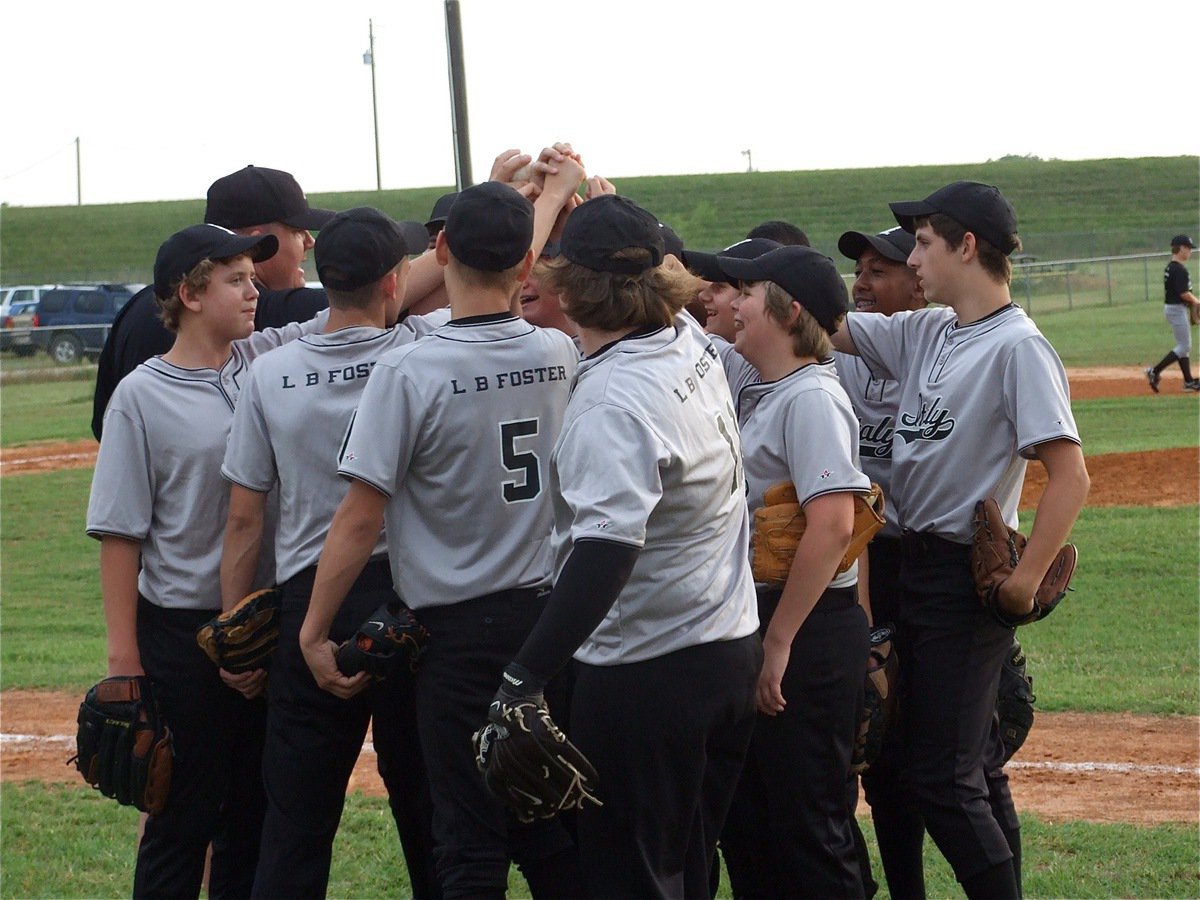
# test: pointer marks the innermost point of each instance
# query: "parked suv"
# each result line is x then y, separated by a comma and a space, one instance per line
72, 322
16, 328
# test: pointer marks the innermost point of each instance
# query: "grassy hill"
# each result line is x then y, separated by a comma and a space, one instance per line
1066, 209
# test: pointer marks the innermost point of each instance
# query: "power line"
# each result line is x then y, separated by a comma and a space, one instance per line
44, 159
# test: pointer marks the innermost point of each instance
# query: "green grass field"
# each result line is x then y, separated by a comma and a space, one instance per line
1066, 210
66, 842
1124, 640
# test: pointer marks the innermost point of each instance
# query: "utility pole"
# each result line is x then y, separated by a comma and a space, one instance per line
369, 59
458, 96
78, 176
749, 160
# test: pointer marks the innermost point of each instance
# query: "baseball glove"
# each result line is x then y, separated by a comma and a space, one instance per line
1014, 701
995, 551
243, 638
779, 524
1194, 313
879, 698
529, 765
390, 641
123, 748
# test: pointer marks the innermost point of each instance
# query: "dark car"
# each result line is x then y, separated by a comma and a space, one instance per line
16, 328
72, 322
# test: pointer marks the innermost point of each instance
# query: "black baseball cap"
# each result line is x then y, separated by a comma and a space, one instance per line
810, 277
895, 244
705, 265
441, 209
256, 196
490, 227
186, 249
979, 208
602, 227
1182, 240
361, 245
672, 242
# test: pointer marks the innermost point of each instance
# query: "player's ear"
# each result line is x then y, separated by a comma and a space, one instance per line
969, 249
190, 297
440, 251
526, 266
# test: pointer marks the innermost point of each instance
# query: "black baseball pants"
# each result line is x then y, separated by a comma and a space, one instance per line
951, 651
802, 760
216, 793
668, 737
313, 741
475, 836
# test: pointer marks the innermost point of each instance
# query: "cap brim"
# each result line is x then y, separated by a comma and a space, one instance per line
852, 244
313, 220
703, 265
741, 269
259, 248
416, 238
908, 210
435, 224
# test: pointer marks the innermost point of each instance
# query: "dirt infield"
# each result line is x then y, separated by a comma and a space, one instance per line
1099, 768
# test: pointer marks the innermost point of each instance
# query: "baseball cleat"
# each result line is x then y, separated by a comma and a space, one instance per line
1193, 385
1154, 378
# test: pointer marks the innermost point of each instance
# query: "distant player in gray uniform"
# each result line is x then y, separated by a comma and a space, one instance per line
451, 445
1178, 303
290, 421
158, 507
798, 426
653, 595
982, 392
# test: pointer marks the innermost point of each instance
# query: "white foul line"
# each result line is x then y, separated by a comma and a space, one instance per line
34, 741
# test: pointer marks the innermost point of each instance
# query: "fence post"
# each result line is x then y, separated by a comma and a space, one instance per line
1108, 278
1146, 276
1070, 304
1028, 292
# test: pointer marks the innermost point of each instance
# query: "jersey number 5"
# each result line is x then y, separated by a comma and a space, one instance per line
525, 464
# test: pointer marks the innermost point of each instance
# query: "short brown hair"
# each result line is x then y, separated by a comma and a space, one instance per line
196, 280
808, 337
608, 301
485, 280
994, 261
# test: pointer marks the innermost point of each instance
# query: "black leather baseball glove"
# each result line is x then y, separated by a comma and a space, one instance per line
123, 747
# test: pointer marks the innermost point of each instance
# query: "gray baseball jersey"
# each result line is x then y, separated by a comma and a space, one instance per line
738, 372
975, 400
875, 401
650, 456
158, 473
802, 429
291, 422
457, 430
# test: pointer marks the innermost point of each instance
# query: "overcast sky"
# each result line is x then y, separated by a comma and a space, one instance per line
167, 96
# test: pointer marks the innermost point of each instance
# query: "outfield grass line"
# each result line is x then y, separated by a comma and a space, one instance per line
54, 740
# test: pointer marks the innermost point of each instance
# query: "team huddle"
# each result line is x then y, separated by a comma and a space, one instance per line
541, 428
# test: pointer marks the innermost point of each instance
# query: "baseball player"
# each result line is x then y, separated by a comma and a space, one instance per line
293, 413
782, 232
252, 201
450, 445
653, 594
981, 392
1179, 303
798, 426
157, 506
883, 283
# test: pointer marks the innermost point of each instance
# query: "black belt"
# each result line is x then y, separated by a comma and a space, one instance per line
916, 546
